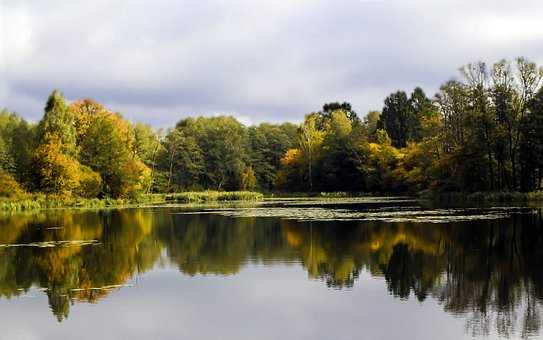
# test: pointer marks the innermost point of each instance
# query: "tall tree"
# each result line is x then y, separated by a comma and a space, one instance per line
184, 161
398, 119
481, 116
146, 143
329, 108
371, 121
339, 165
268, 143
58, 122
531, 145
224, 141
17, 143
108, 149
310, 141
55, 165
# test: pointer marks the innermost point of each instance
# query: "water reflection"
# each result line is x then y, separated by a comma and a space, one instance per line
487, 271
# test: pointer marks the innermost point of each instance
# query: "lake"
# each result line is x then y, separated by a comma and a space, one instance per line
366, 268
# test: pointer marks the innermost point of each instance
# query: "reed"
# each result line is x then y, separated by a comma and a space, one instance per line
41, 201
213, 196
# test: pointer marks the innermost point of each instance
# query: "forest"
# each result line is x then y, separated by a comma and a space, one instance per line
483, 132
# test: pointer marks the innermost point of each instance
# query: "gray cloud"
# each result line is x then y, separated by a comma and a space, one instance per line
259, 60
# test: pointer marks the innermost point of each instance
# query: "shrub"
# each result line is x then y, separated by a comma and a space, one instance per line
9, 187
135, 178
90, 182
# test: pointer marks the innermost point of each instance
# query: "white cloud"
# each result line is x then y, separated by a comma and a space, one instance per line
266, 60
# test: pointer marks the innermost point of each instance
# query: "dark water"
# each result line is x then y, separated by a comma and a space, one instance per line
341, 269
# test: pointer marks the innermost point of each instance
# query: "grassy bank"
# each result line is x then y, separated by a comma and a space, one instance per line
41, 201
37, 202
487, 197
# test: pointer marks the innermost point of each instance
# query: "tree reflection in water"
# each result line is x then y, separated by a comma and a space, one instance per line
487, 271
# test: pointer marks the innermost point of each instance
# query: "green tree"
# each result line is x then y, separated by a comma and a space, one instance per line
107, 148
339, 165
401, 116
531, 147
224, 143
147, 148
371, 122
183, 159
329, 108
58, 122
56, 168
146, 144
268, 143
398, 119
16, 146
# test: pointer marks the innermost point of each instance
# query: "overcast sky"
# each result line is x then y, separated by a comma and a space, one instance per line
158, 61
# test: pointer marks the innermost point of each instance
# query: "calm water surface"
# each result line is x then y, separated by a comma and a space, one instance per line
294, 269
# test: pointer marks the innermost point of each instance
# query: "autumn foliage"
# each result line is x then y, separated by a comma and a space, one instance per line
480, 133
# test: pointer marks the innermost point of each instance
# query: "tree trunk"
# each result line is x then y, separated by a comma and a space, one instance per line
152, 170
310, 173
171, 170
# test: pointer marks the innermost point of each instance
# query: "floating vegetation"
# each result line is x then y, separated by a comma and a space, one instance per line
107, 287
335, 200
198, 208
37, 289
52, 244
383, 214
30, 292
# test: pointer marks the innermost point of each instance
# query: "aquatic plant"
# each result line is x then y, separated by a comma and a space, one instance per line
213, 196
41, 201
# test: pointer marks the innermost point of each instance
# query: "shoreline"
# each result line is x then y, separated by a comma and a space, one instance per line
36, 202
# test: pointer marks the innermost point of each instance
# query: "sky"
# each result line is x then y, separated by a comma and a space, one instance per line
259, 60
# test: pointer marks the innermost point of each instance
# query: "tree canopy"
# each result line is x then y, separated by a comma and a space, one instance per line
481, 132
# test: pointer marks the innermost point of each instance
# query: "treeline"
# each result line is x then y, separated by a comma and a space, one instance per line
82, 149
481, 133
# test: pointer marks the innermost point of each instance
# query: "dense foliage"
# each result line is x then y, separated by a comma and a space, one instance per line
481, 133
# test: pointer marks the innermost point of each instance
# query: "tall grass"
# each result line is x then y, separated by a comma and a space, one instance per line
37, 202
213, 196
41, 201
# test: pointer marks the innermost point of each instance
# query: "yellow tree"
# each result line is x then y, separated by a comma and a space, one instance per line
310, 141
290, 170
107, 145
57, 172
248, 179
382, 159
